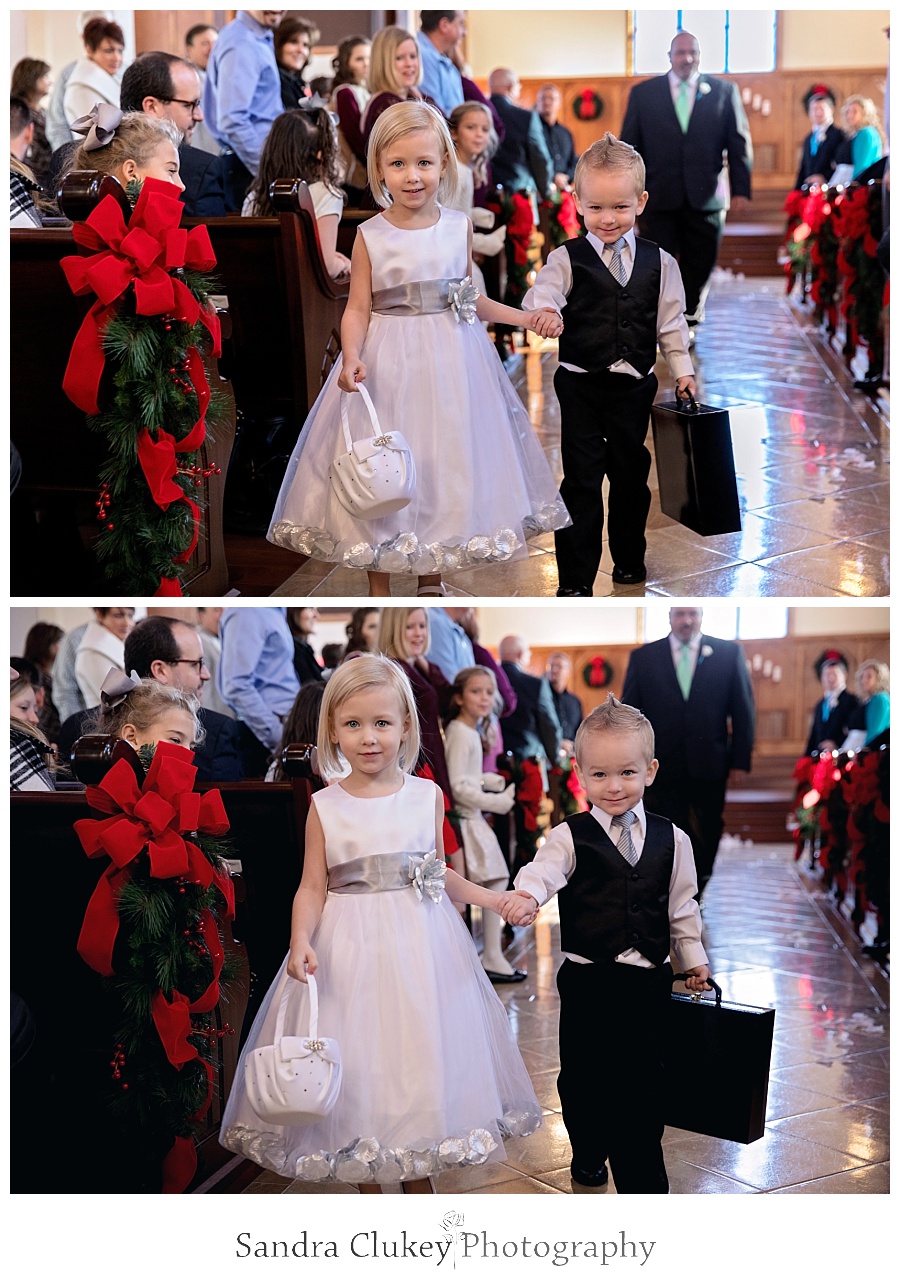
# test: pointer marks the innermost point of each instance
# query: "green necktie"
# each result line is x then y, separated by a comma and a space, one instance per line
683, 670
683, 107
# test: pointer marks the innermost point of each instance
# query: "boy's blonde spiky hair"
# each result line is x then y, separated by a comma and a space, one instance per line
608, 154
614, 718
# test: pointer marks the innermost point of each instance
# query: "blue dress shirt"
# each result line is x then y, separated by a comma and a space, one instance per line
256, 674
440, 78
451, 648
242, 94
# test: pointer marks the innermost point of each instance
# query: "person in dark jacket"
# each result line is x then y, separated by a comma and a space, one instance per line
163, 85
170, 651
832, 714
823, 142
559, 140
294, 39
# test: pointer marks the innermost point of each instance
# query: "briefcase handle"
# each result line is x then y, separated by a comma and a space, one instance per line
687, 402
682, 977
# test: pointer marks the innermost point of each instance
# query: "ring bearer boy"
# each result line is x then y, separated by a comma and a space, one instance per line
625, 883
619, 296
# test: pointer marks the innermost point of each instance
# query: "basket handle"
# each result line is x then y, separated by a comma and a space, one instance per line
313, 1007
682, 977
345, 419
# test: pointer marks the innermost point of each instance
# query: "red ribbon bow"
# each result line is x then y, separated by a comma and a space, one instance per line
144, 253
154, 816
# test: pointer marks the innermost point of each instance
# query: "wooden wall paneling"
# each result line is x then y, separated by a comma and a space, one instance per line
165, 29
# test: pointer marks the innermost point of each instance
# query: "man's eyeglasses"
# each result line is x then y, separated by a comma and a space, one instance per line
194, 104
198, 664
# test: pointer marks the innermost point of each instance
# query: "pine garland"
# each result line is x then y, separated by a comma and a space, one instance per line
140, 541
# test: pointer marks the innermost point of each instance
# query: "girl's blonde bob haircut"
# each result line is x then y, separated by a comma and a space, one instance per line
392, 631
383, 78
396, 123
359, 674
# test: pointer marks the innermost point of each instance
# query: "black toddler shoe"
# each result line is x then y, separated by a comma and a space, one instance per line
580, 592
636, 575
517, 976
587, 1178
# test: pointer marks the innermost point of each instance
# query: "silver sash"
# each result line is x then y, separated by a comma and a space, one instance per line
415, 298
390, 872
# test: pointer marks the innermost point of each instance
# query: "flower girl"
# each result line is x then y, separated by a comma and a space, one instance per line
483, 484
431, 1075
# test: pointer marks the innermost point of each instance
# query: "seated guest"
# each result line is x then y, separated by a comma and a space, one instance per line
301, 725
559, 140
144, 713
102, 646
170, 652
302, 624
168, 88
362, 632
41, 647
823, 143
95, 77
832, 715
23, 186
31, 82
863, 144
198, 45
30, 756
303, 144
294, 39
130, 148
872, 718
349, 95
394, 75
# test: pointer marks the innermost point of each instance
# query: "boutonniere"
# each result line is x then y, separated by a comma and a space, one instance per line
705, 651
703, 87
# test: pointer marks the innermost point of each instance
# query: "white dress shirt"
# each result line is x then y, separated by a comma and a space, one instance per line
554, 864
554, 282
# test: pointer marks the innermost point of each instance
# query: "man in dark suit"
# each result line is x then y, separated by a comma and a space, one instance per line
532, 730
822, 144
170, 651
682, 124
559, 140
696, 692
168, 87
522, 165
831, 717
569, 709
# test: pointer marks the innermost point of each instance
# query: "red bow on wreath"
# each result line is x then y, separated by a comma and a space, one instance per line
154, 816
144, 253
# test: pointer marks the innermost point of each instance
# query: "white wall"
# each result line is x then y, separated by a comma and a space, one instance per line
553, 42
806, 621
52, 34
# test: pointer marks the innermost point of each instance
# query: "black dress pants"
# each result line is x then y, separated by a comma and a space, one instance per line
692, 237
612, 1021
696, 807
604, 420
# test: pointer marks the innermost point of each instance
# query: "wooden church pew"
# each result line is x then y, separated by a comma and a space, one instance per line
63, 1136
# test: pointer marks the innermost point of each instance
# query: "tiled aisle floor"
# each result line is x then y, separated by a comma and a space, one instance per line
811, 455
773, 940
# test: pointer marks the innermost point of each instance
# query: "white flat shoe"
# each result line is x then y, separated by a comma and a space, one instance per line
432, 591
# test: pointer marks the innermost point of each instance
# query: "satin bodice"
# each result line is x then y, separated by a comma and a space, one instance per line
356, 828
401, 255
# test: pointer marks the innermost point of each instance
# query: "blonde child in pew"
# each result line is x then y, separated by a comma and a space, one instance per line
408, 332
432, 1079
129, 147
144, 712
303, 144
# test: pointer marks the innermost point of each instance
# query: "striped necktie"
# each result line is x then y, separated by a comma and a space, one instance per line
616, 266
625, 843
683, 107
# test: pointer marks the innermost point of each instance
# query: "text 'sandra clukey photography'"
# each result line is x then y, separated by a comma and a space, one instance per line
450, 1245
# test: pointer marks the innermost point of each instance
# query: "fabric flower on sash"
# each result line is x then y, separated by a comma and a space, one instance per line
428, 874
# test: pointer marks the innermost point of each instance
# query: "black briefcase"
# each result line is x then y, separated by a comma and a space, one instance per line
717, 1066
695, 466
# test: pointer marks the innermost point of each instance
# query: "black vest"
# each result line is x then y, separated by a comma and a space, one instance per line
606, 322
608, 906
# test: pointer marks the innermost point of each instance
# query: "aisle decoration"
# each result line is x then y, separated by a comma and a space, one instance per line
528, 778
563, 218
150, 929
514, 210
135, 369
569, 790
812, 247
857, 227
